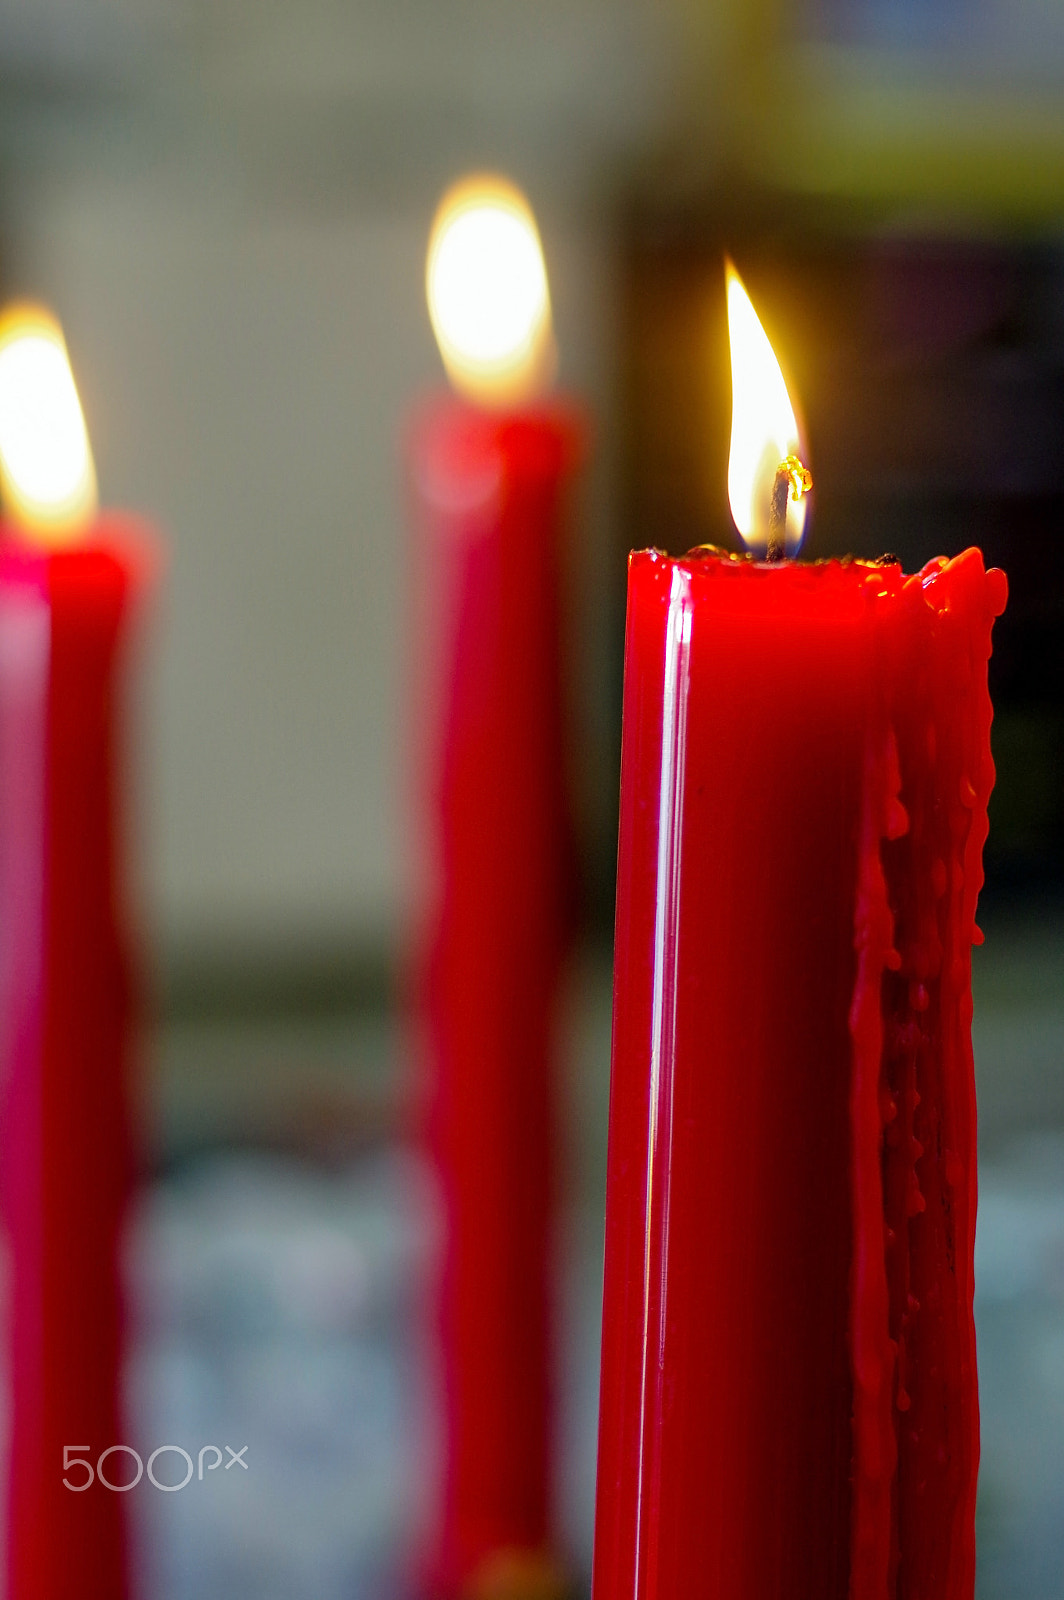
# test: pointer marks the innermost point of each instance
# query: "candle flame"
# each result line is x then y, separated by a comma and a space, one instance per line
487, 291
47, 475
764, 434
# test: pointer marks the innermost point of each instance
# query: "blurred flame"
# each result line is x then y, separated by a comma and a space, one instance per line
487, 291
764, 428
47, 475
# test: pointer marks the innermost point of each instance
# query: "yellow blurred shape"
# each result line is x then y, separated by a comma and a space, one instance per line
488, 298
47, 476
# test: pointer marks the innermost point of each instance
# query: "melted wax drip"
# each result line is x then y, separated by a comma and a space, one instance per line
928, 780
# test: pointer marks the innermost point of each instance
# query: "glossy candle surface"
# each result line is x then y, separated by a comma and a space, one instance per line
66, 1151
494, 918
792, 961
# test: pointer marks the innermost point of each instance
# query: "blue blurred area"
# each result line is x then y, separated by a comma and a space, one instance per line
276, 1304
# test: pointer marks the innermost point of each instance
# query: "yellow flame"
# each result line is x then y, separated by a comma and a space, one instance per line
47, 475
487, 291
764, 428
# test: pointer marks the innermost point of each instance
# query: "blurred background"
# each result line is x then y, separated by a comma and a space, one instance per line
227, 205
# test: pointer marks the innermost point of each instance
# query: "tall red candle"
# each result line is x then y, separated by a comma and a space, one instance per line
65, 1046
789, 1403
491, 495
491, 478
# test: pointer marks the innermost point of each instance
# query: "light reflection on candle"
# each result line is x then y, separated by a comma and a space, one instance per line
764, 427
487, 291
47, 475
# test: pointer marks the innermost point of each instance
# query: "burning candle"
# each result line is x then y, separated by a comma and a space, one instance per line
67, 581
788, 1382
490, 474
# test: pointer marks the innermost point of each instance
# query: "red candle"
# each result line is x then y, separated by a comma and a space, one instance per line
66, 1151
490, 478
788, 1386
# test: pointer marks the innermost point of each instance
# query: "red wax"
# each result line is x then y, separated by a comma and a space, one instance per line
65, 1149
789, 1406
490, 500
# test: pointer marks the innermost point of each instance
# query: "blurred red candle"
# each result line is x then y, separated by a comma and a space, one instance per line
788, 1386
490, 475
68, 580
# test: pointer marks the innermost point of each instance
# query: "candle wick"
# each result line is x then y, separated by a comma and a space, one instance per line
793, 480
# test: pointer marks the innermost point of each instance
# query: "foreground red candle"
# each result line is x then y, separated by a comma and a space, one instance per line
491, 494
788, 1387
65, 1150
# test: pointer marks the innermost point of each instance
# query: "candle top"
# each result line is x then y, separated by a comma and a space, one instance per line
47, 474
832, 582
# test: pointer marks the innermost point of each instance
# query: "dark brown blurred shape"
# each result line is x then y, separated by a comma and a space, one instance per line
930, 373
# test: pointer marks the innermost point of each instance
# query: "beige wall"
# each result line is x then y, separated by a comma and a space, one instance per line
235, 248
